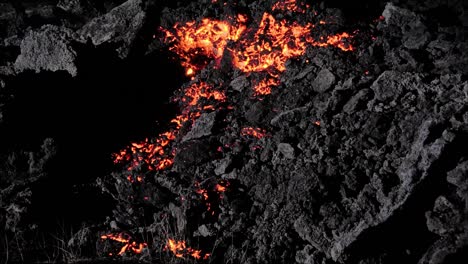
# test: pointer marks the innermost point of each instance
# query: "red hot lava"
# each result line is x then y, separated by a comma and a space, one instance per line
180, 250
129, 245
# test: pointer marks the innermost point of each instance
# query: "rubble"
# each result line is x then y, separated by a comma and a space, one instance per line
354, 152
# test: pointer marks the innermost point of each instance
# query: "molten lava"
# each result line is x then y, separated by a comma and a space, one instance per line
289, 5
197, 43
180, 250
253, 132
155, 154
266, 50
129, 245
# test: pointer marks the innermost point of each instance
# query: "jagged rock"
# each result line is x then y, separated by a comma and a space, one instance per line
459, 178
49, 49
444, 218
353, 103
240, 83
77, 7
415, 34
202, 127
324, 81
192, 152
223, 165
204, 231
286, 150
389, 85
121, 25
284, 118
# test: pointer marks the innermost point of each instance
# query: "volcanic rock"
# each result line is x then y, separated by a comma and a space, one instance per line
47, 48
202, 127
78, 8
286, 150
121, 25
443, 218
223, 165
415, 34
324, 81
240, 83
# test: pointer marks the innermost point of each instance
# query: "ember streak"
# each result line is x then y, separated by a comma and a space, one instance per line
129, 245
253, 132
180, 250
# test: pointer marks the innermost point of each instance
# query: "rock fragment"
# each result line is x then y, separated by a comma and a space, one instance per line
121, 25
47, 48
324, 81
240, 83
202, 127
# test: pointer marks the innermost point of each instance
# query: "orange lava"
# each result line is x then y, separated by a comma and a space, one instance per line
264, 48
133, 246
264, 86
180, 250
253, 132
207, 39
220, 188
288, 5
155, 154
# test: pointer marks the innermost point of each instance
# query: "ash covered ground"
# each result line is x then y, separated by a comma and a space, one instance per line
233, 131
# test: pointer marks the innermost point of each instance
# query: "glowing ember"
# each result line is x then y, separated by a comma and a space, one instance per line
288, 5
155, 155
180, 250
264, 86
197, 43
129, 246
253, 132
196, 91
220, 188
266, 50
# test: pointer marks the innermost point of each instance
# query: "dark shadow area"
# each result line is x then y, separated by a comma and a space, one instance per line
108, 105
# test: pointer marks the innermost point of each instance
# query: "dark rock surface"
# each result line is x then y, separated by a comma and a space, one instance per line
355, 157
47, 49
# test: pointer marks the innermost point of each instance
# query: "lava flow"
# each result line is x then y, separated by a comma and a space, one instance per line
197, 43
129, 246
155, 154
266, 50
180, 250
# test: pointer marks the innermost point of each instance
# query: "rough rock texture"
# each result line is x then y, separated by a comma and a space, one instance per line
202, 127
120, 25
47, 48
354, 157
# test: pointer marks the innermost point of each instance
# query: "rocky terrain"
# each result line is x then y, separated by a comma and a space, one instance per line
349, 146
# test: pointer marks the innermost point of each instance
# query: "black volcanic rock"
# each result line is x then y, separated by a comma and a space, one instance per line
120, 25
355, 157
49, 49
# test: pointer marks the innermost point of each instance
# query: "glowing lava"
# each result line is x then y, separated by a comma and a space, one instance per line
253, 132
197, 43
266, 50
180, 250
155, 154
129, 246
